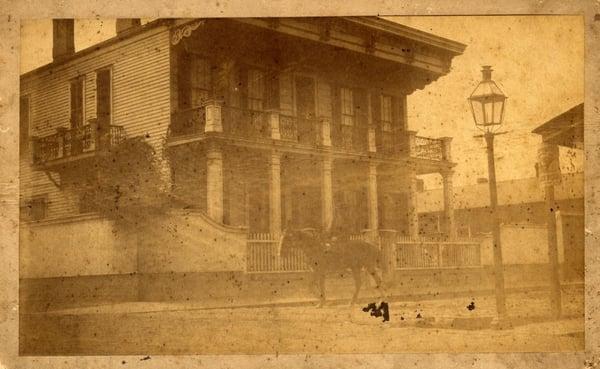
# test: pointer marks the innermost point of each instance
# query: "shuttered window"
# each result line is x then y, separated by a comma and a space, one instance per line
34, 209
103, 96
286, 94
347, 106
256, 89
386, 113
24, 122
201, 80
77, 101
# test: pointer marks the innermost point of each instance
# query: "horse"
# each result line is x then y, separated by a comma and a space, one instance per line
326, 256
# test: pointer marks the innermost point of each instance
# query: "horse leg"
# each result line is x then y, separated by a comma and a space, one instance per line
356, 273
321, 282
378, 281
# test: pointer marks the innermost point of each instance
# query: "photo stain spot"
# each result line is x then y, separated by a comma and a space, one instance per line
378, 311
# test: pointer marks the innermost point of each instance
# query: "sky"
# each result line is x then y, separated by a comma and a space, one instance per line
537, 61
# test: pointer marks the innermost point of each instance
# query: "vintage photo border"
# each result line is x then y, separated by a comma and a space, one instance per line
14, 10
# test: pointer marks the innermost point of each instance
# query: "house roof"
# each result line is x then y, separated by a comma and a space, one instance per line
516, 191
566, 129
414, 34
374, 23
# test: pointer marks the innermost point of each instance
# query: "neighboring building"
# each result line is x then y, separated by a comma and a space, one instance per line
259, 124
566, 228
520, 201
531, 224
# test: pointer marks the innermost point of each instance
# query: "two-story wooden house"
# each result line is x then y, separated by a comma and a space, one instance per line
259, 123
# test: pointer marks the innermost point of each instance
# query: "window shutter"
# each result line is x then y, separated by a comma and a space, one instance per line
376, 117
336, 108
399, 112
376, 110
324, 99
286, 95
24, 120
103, 98
272, 90
77, 102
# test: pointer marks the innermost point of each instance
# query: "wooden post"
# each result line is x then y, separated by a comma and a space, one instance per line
498, 264
325, 130
214, 184
213, 117
275, 193
412, 212
274, 124
373, 208
449, 226
327, 192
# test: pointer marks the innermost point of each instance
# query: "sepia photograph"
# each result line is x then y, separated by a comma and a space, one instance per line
301, 185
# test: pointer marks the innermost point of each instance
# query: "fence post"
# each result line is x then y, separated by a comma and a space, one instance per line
387, 239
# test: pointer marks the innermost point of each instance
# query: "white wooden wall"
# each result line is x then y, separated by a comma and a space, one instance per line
141, 103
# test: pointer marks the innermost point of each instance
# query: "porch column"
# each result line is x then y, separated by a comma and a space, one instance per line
412, 212
274, 123
373, 209
446, 148
275, 194
213, 116
325, 131
327, 193
449, 226
214, 184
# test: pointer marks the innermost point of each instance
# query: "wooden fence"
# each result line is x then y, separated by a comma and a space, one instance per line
263, 256
432, 253
399, 253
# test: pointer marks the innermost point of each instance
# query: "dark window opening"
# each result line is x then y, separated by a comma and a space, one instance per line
77, 102
103, 105
24, 122
34, 209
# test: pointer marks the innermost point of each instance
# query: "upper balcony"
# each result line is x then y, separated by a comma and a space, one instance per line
271, 127
67, 145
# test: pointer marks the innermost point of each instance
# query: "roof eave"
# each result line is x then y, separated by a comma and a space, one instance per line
451, 46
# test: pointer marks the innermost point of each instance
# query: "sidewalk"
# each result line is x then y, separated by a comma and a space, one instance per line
459, 312
457, 324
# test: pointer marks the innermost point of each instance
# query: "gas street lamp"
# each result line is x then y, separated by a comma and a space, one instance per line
487, 105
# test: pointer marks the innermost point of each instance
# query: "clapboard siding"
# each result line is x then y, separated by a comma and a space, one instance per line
140, 68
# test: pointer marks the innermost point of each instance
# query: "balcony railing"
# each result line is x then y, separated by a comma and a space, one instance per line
350, 138
188, 121
358, 138
245, 122
428, 148
288, 127
75, 141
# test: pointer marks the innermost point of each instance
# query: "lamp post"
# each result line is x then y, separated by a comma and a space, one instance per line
487, 105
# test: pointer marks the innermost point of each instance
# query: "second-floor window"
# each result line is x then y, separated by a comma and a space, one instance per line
201, 80
103, 96
256, 89
77, 101
386, 113
24, 122
347, 98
